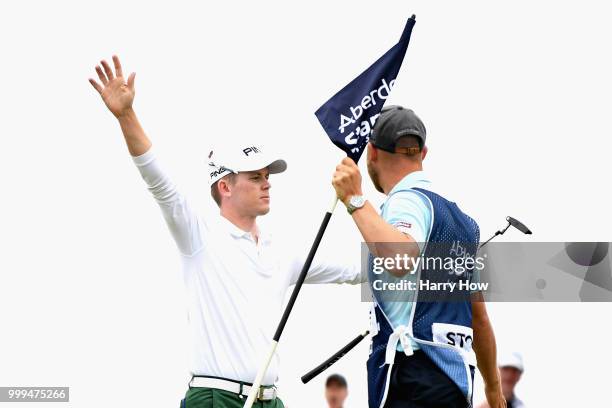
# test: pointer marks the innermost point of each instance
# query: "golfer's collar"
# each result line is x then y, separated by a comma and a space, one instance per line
416, 179
237, 232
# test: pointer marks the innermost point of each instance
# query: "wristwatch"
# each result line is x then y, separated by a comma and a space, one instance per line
355, 203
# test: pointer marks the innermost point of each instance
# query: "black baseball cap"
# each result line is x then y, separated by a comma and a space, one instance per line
394, 122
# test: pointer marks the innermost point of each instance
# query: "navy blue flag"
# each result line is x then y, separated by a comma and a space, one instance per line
348, 117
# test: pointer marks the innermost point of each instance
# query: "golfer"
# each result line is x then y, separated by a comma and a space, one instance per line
422, 350
234, 276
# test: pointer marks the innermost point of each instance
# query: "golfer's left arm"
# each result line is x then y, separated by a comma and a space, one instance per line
486, 352
329, 272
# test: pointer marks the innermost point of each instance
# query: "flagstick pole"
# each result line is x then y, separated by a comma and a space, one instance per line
296, 290
337, 356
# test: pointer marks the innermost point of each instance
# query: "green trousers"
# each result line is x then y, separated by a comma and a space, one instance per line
213, 398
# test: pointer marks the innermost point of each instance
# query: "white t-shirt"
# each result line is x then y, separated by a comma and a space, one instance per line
235, 286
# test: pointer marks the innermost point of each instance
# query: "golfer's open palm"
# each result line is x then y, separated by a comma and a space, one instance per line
116, 93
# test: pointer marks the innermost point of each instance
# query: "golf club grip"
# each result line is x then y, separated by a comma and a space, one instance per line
330, 361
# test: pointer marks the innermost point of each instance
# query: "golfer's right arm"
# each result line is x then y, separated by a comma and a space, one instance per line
118, 97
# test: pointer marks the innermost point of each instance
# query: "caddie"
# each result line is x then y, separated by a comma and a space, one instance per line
426, 346
235, 277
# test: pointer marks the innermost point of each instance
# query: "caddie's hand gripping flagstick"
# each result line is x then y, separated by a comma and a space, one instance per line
347, 118
342, 352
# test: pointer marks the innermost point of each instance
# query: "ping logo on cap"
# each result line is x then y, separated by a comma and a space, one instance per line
219, 171
251, 149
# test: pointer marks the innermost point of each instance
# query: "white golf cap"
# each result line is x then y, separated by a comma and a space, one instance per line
226, 160
513, 359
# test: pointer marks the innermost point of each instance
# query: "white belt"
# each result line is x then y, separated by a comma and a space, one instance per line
264, 394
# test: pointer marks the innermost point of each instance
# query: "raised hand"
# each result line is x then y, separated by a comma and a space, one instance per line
118, 97
115, 92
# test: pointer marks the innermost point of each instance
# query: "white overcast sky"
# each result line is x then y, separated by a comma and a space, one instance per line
515, 97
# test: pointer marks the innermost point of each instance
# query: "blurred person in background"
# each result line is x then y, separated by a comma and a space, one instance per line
336, 391
510, 369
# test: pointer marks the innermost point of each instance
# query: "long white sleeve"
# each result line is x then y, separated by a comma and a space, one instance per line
327, 272
181, 220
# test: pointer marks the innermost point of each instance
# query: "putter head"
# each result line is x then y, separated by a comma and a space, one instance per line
518, 225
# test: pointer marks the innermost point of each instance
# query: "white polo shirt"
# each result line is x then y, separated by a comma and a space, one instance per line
235, 286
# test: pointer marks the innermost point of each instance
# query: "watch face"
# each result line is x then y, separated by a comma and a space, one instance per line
357, 201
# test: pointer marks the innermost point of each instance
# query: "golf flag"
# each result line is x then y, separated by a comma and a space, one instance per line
348, 117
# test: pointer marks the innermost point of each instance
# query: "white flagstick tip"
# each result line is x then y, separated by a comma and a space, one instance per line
259, 378
333, 206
